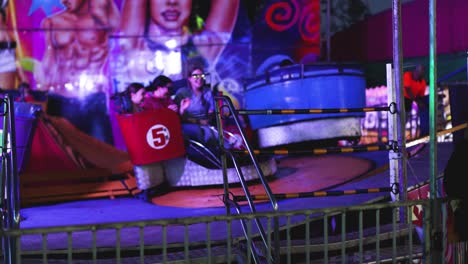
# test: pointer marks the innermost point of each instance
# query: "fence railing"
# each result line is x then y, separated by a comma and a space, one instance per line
356, 234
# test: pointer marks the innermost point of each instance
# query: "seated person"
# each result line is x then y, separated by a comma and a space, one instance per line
130, 100
158, 95
196, 106
149, 176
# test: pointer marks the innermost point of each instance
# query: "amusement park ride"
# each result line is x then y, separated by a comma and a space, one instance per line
157, 153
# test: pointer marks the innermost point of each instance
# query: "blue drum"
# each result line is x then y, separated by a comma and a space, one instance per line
306, 87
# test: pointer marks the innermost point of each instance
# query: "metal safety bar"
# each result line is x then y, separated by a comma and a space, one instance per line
318, 151
10, 200
318, 193
311, 111
222, 102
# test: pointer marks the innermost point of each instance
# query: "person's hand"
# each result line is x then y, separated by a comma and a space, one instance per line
204, 122
173, 107
184, 104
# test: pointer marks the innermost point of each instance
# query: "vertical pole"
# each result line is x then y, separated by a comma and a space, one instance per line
436, 221
13, 215
466, 65
328, 30
219, 126
400, 119
394, 155
14, 199
9, 168
433, 97
4, 183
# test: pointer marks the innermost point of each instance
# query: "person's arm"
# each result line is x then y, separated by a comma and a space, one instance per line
172, 105
217, 31
133, 17
47, 66
211, 107
105, 12
222, 16
132, 23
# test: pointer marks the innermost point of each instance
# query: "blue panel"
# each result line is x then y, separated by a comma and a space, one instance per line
305, 87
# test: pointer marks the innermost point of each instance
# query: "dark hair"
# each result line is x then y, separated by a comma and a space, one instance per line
134, 87
193, 67
159, 81
123, 99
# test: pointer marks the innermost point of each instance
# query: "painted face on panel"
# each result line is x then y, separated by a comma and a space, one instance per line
170, 14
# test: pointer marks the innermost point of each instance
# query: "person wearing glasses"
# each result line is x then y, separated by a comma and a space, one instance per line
196, 106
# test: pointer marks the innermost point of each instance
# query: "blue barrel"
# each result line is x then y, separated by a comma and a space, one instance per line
305, 87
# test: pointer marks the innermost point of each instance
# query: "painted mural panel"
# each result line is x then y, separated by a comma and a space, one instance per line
286, 30
81, 52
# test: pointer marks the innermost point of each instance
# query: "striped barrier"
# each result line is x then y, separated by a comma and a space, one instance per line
239, 198
426, 139
317, 151
311, 111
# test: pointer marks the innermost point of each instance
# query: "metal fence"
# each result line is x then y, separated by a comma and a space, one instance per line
370, 233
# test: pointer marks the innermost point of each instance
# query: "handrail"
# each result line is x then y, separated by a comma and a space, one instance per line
9, 207
3, 176
248, 147
248, 198
219, 100
312, 111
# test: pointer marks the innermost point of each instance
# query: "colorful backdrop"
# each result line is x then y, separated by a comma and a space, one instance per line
82, 52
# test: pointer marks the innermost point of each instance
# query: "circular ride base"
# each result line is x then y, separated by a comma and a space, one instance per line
310, 130
184, 172
293, 175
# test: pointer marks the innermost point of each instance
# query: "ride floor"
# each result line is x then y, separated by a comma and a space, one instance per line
348, 171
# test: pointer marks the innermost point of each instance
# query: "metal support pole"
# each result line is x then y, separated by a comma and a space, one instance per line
394, 155
4, 182
12, 216
15, 199
401, 114
436, 215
